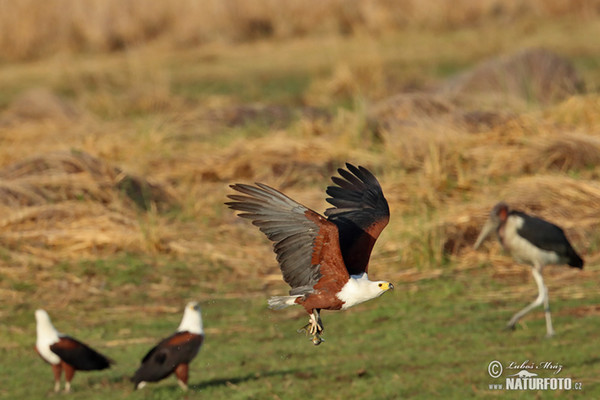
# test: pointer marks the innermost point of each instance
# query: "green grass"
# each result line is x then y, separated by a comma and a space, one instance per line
269, 86
425, 340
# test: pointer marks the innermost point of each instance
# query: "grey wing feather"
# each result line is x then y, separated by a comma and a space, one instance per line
284, 222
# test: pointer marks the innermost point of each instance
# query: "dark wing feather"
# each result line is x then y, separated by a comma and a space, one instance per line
162, 359
547, 236
292, 227
79, 355
360, 212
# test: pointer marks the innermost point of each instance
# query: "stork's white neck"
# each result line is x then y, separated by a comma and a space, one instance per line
359, 289
192, 320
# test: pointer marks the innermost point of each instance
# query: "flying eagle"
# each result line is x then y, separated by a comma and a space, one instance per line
64, 352
324, 260
174, 353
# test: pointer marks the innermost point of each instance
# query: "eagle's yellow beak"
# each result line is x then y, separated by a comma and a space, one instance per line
387, 286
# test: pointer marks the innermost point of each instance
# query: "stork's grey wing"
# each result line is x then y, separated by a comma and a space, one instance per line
360, 212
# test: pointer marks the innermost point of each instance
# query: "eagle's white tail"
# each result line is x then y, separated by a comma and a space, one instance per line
279, 302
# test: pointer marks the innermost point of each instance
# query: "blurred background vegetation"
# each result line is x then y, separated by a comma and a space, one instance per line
122, 122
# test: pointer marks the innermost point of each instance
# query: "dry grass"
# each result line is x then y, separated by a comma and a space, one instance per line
69, 204
30, 29
563, 153
122, 123
530, 75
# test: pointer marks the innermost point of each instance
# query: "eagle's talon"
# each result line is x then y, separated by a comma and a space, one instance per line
312, 328
317, 340
304, 329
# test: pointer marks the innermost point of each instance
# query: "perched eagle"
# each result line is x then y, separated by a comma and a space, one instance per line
324, 260
64, 352
174, 353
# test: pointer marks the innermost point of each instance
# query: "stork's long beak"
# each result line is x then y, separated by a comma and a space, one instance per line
487, 229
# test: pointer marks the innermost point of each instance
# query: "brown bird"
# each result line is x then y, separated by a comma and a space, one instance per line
65, 353
174, 353
324, 260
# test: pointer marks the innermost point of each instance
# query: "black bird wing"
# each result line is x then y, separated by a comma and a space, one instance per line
79, 355
547, 236
306, 244
162, 359
360, 212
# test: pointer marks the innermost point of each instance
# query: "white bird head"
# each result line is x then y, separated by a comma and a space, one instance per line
359, 289
47, 335
192, 319
44, 326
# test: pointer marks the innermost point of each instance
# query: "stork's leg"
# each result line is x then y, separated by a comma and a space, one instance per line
549, 329
541, 298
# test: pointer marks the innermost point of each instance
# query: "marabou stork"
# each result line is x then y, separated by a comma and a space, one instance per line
533, 241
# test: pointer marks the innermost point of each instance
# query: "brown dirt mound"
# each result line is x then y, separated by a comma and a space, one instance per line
61, 204
571, 151
62, 176
558, 152
283, 161
404, 108
39, 104
412, 112
533, 75
274, 116
481, 120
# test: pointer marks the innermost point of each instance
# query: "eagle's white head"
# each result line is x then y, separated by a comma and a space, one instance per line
192, 319
359, 289
47, 335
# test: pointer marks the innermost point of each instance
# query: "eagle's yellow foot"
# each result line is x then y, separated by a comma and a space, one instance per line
314, 328
311, 329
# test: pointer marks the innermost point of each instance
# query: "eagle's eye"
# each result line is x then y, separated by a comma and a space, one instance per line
381, 284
